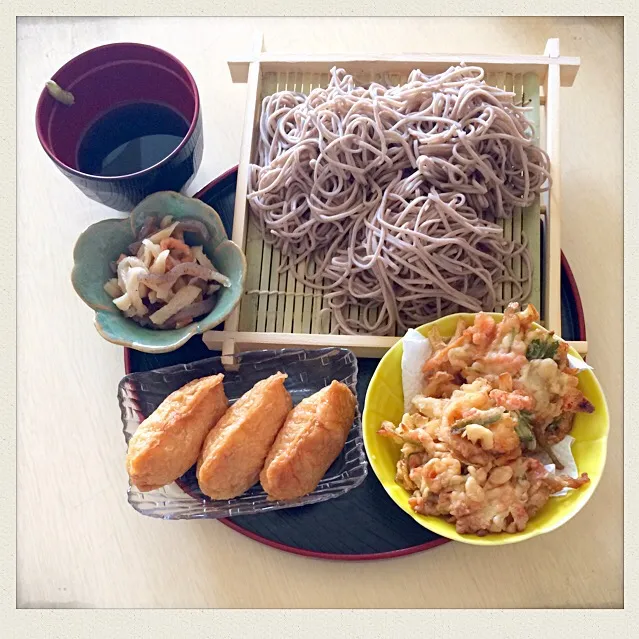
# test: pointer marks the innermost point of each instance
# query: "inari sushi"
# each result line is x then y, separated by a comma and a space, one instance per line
234, 451
167, 443
312, 437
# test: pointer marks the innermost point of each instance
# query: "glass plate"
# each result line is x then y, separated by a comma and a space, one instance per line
308, 371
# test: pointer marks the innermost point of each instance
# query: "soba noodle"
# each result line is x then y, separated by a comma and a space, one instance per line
392, 193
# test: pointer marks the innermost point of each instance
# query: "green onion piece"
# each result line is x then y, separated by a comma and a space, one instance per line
524, 427
487, 417
542, 349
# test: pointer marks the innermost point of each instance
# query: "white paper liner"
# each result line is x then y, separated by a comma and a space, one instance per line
563, 452
417, 350
579, 364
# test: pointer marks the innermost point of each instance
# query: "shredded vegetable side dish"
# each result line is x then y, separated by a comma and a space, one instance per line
496, 396
164, 282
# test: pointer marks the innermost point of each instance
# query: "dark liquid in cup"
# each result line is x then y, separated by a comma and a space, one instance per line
130, 138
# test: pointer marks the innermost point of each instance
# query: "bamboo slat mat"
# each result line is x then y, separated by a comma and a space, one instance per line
277, 302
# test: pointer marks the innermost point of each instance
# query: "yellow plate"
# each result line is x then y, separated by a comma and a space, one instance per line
384, 400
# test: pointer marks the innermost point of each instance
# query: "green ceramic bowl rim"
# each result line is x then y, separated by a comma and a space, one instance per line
196, 327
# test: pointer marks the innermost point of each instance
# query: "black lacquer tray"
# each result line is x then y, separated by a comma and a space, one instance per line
364, 523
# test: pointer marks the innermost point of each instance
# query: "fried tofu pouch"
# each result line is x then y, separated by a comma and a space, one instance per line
312, 437
167, 443
234, 451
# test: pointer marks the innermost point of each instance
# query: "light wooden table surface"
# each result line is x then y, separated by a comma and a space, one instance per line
81, 545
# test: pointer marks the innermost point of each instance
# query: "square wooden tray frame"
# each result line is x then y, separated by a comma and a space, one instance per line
554, 71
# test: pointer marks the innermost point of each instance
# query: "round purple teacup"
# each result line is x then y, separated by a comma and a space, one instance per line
121, 93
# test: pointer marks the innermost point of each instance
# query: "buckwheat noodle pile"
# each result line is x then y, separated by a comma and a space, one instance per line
392, 192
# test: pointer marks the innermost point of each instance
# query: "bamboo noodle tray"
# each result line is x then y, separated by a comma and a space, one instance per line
276, 310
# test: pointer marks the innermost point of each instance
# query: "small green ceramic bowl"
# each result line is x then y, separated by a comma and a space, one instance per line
104, 241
